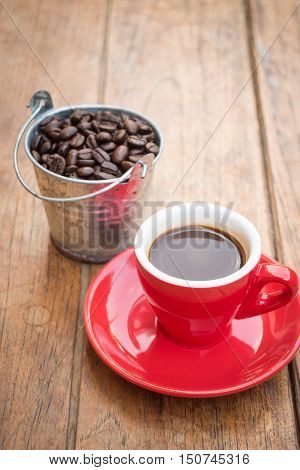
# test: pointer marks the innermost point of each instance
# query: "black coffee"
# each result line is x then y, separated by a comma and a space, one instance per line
197, 253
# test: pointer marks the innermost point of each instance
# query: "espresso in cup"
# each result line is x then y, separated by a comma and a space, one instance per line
208, 287
197, 253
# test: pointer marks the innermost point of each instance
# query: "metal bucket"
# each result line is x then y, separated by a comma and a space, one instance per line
90, 221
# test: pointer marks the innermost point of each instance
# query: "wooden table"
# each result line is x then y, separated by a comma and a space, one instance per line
221, 78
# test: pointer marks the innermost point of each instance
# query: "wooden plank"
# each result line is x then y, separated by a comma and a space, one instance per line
39, 291
183, 64
278, 94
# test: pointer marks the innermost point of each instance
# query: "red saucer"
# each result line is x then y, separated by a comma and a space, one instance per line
123, 330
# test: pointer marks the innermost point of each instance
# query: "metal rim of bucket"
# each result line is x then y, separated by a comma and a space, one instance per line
54, 111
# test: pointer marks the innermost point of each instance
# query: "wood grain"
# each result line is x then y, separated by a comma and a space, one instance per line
278, 89
186, 64
39, 289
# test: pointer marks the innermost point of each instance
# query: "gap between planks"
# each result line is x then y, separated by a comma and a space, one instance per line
276, 235
85, 273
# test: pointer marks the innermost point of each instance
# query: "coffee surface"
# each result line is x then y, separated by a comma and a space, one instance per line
197, 253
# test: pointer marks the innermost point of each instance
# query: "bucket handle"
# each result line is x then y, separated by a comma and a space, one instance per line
117, 181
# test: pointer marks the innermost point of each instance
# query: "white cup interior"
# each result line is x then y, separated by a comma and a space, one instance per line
198, 214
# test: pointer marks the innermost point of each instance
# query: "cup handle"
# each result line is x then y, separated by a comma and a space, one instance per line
257, 303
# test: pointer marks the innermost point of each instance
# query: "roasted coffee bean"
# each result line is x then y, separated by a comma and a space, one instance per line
81, 163
88, 132
149, 137
125, 166
152, 147
100, 155
53, 124
68, 132
107, 126
36, 156
85, 171
86, 117
75, 116
54, 147
43, 138
57, 164
134, 158
109, 116
104, 137
54, 134
85, 154
77, 141
46, 121
95, 125
108, 146
120, 154
45, 147
131, 126
45, 157
36, 142
72, 157
91, 141
138, 151
84, 125
63, 148
66, 123
134, 141
144, 128
71, 169
109, 167
120, 136
100, 175
98, 115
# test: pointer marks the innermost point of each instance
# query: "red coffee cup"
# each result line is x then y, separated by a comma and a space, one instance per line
200, 313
